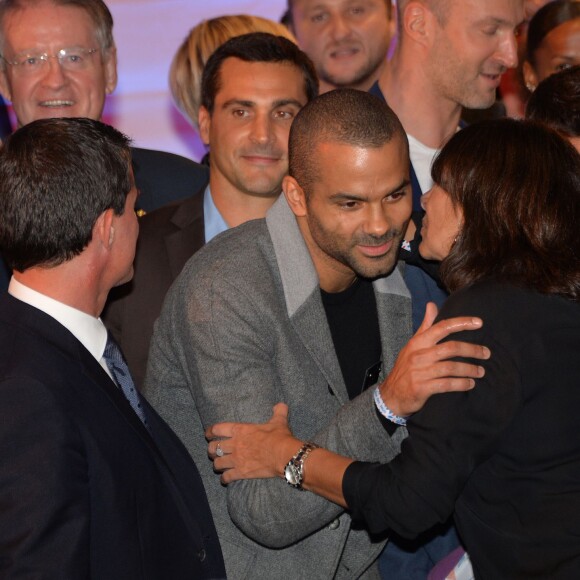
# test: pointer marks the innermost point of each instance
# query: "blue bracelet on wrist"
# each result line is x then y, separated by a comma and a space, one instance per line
385, 411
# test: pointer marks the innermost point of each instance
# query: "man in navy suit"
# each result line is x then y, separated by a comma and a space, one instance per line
93, 484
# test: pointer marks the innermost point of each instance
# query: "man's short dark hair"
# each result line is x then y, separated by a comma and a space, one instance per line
256, 47
96, 9
57, 176
347, 116
556, 102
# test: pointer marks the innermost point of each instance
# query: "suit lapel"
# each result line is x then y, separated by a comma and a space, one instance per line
311, 325
395, 320
95, 373
189, 235
302, 294
22, 315
78, 357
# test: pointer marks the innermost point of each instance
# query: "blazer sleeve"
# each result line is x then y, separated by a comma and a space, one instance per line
449, 438
226, 349
43, 486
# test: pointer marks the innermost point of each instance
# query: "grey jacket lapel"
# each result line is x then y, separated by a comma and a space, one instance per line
302, 294
395, 320
304, 305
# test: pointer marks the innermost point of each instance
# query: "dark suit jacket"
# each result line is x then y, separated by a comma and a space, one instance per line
168, 237
85, 490
4, 275
163, 177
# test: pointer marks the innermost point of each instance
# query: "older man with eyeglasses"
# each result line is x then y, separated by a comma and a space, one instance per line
59, 60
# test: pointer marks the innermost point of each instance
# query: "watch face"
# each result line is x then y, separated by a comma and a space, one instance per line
291, 474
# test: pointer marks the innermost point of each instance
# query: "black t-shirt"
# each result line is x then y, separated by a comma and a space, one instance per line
354, 326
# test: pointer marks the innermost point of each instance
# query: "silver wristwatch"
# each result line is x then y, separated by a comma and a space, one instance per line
294, 470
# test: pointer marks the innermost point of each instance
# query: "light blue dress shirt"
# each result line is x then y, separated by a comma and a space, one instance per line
214, 222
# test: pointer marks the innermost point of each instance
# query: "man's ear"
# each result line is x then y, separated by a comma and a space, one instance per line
110, 69
104, 230
295, 196
204, 122
418, 22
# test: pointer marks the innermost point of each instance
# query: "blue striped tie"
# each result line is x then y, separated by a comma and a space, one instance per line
120, 371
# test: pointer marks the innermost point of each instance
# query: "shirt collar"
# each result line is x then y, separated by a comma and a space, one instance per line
214, 223
87, 329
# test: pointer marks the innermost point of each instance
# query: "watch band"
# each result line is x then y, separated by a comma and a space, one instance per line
294, 470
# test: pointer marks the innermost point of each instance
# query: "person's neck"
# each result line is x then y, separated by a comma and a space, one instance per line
237, 207
426, 115
65, 285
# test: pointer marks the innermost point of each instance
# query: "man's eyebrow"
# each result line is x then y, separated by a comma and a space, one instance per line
405, 183
250, 104
238, 103
345, 196
317, 6
493, 20
286, 102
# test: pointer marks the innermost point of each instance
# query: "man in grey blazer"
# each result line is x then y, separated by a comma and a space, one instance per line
259, 315
252, 87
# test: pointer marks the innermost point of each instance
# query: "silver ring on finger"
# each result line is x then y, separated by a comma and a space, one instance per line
219, 451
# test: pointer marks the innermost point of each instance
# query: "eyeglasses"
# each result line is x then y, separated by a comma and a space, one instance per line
70, 59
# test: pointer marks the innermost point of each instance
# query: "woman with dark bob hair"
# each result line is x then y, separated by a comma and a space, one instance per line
504, 457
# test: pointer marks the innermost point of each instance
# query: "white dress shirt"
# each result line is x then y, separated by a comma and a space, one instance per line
88, 330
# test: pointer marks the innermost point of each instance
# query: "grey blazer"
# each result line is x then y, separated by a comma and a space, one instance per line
243, 328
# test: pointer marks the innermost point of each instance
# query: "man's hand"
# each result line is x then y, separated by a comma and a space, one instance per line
250, 451
423, 367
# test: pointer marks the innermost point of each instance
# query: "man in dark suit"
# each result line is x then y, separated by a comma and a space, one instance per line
93, 484
252, 88
60, 60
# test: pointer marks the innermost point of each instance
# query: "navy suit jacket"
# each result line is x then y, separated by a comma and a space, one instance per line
86, 490
168, 237
4, 275
163, 177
